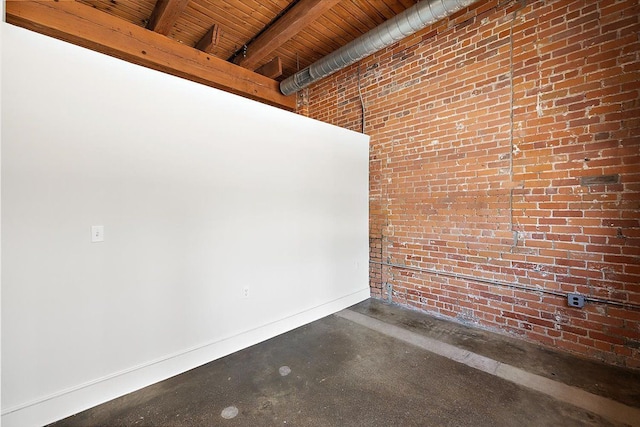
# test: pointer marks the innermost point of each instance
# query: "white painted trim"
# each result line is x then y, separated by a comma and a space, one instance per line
73, 400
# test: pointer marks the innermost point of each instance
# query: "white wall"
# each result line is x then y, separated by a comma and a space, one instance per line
201, 194
2, 18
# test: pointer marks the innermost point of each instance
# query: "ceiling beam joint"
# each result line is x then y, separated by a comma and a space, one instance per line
272, 69
210, 40
301, 15
165, 14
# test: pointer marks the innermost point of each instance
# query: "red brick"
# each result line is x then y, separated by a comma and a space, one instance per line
446, 190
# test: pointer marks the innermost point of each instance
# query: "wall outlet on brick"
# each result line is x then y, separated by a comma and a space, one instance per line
575, 300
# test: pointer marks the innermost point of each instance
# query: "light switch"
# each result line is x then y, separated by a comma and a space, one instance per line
97, 233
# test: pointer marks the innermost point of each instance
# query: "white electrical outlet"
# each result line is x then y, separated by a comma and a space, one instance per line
97, 233
245, 292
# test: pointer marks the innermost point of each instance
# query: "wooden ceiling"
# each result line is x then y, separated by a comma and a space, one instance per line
274, 37
240, 21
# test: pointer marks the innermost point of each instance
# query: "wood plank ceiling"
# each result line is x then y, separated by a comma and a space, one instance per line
261, 35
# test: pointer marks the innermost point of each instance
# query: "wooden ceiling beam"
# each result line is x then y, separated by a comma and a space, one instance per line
272, 69
85, 26
210, 39
291, 23
165, 15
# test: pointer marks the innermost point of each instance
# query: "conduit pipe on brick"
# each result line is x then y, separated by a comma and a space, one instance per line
409, 22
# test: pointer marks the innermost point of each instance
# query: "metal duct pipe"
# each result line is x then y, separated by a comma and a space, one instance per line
410, 21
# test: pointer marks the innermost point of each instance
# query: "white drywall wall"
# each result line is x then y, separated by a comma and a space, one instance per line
201, 194
2, 24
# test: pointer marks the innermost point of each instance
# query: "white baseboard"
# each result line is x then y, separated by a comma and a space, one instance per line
84, 396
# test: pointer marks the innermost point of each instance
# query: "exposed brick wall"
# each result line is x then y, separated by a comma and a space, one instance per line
505, 155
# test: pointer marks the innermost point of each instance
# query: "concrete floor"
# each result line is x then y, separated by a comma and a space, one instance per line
345, 374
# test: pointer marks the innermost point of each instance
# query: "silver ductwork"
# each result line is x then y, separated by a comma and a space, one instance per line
412, 20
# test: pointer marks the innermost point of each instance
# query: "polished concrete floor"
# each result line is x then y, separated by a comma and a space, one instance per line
372, 365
